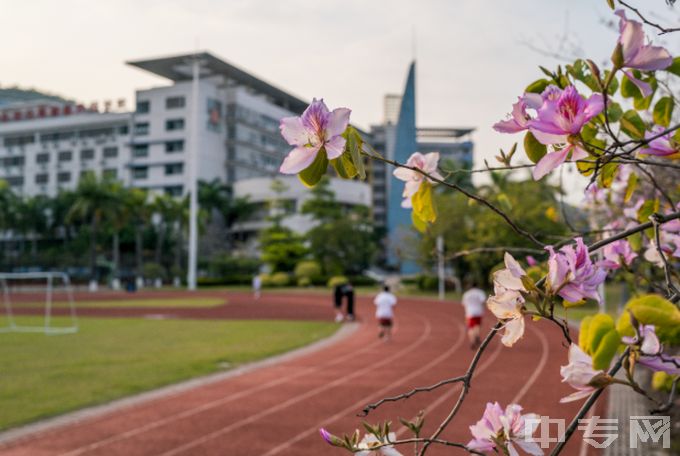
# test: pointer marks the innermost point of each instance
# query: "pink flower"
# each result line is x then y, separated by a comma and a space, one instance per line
579, 373
637, 54
571, 273
427, 163
531, 261
327, 436
617, 254
660, 146
650, 351
317, 130
519, 120
505, 429
507, 302
558, 119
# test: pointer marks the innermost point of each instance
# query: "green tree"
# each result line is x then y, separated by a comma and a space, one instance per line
281, 248
467, 225
95, 201
342, 239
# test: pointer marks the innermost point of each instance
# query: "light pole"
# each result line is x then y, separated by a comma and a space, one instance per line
193, 185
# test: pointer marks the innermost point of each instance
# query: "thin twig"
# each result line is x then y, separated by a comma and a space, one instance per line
466, 386
413, 392
662, 30
671, 289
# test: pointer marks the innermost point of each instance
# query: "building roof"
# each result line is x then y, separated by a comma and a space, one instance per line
443, 132
178, 68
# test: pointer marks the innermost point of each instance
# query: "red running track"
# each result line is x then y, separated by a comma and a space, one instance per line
277, 409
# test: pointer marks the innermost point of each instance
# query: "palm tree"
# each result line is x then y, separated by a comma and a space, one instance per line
31, 220
94, 201
139, 212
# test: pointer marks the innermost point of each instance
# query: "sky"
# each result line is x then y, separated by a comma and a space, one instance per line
473, 57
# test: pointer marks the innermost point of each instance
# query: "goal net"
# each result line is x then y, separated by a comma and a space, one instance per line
37, 302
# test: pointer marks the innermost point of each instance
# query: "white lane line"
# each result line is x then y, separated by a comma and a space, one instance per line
193, 443
482, 367
358, 404
186, 413
539, 369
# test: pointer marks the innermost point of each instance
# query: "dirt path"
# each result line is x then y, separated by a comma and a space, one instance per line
278, 409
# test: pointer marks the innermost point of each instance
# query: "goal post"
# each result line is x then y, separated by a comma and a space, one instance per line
21, 296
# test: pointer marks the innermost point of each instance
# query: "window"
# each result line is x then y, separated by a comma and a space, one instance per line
174, 124
174, 146
42, 178
64, 177
143, 107
174, 169
174, 102
110, 152
65, 156
42, 157
87, 154
16, 181
174, 190
140, 150
123, 130
140, 172
13, 161
142, 128
19, 140
110, 173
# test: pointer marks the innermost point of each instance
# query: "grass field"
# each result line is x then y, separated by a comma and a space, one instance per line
193, 301
42, 376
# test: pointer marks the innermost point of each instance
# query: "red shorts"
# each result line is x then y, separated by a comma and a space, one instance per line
471, 322
387, 322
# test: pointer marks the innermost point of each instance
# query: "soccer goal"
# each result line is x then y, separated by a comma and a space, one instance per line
29, 299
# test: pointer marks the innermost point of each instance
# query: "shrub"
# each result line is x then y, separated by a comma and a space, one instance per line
225, 265
362, 280
337, 280
308, 269
304, 282
280, 279
153, 271
428, 282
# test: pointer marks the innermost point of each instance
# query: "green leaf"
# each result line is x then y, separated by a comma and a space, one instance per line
504, 202
423, 204
583, 332
534, 149
654, 310
585, 168
648, 208
643, 104
613, 84
632, 124
607, 174
353, 146
663, 110
311, 175
537, 86
628, 89
599, 326
675, 67
606, 350
614, 111
631, 185
419, 224
611, 4
588, 132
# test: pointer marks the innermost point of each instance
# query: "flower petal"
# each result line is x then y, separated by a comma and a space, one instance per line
298, 159
530, 447
549, 162
578, 395
335, 147
337, 122
293, 131
645, 88
514, 330
651, 58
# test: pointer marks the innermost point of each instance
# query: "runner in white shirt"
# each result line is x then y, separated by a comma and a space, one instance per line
384, 312
473, 302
